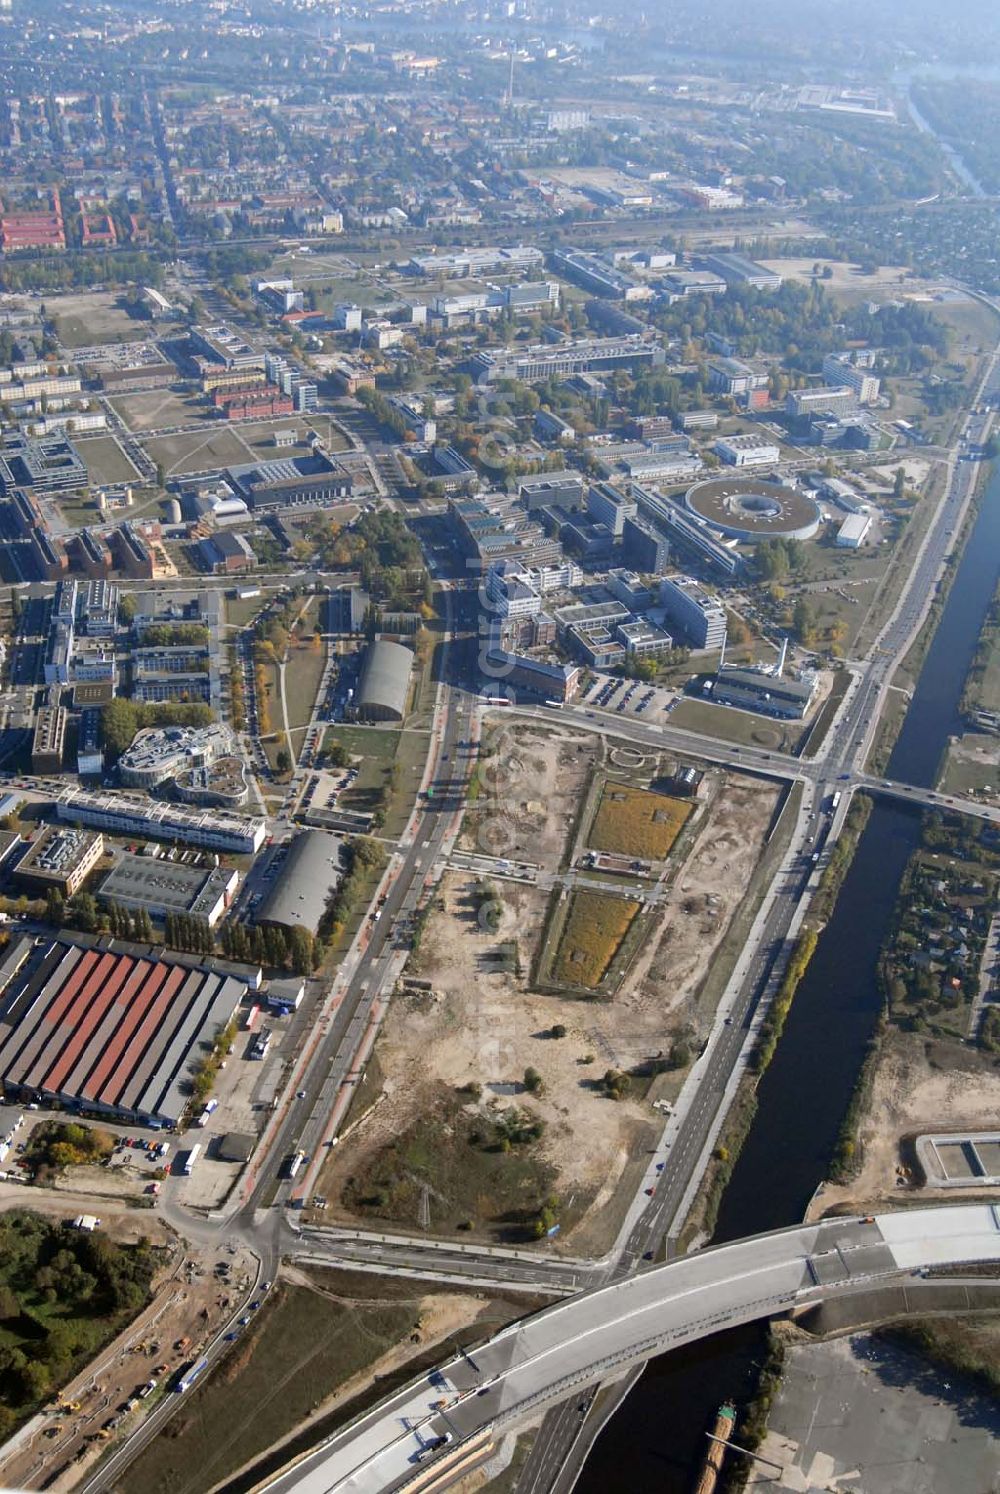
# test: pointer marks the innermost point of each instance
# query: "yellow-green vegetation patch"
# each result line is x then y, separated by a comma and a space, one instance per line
592, 935
637, 822
301, 1348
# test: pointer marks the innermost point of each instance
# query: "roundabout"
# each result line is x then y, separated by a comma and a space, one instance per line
749, 510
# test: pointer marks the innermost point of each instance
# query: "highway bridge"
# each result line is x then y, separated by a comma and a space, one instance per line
422, 1436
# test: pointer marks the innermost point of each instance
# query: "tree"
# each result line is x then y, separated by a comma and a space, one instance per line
532, 1081
899, 484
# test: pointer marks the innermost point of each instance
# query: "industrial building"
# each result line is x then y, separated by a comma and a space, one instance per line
60, 857
750, 511
767, 694
290, 482
854, 531
384, 682
696, 614
216, 831
308, 876
162, 886
107, 1033
738, 269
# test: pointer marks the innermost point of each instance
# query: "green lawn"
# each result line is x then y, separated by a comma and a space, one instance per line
376, 752
105, 459
303, 673
730, 725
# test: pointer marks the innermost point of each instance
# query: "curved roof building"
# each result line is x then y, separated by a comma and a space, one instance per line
384, 682
750, 510
309, 873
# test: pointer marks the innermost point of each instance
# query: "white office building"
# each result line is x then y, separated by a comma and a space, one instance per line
696, 614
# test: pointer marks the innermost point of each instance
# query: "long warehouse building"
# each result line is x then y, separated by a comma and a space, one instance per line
105, 1032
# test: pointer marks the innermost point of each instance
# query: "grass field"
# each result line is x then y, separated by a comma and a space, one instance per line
591, 937
240, 612
459, 1161
299, 1350
731, 725
156, 410
105, 459
198, 451
636, 822
78, 515
303, 672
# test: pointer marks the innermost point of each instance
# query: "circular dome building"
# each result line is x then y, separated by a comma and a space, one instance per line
749, 510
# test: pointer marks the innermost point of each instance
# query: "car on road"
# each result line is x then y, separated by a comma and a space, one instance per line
300, 1094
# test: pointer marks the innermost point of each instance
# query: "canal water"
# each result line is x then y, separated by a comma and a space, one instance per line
656, 1440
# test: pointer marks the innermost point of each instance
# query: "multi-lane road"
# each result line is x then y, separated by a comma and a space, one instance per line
576, 1343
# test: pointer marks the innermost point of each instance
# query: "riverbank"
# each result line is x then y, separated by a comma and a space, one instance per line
802, 1097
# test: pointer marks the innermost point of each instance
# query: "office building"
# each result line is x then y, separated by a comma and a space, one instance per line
61, 858
552, 489
643, 548
465, 264
47, 465
89, 756
216, 831
160, 754
594, 274
747, 451
561, 359
609, 506
692, 540
48, 742
511, 671
681, 283
227, 554
509, 592
822, 400
697, 615
839, 369
730, 376
221, 345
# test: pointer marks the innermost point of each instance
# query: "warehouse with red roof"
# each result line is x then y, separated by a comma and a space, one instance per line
108, 1032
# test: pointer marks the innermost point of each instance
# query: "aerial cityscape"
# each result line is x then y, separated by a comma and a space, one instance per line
499, 747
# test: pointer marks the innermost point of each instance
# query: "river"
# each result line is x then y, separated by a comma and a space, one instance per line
658, 1435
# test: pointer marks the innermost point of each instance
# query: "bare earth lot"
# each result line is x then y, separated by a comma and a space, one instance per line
86, 320
483, 1026
920, 1085
529, 792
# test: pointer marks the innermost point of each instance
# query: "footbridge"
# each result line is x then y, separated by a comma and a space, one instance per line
425, 1435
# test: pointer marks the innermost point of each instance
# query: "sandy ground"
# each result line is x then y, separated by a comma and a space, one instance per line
491, 1027
847, 277
700, 905
920, 1085
916, 469
531, 789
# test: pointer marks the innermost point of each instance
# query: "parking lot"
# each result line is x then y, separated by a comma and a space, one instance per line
631, 697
